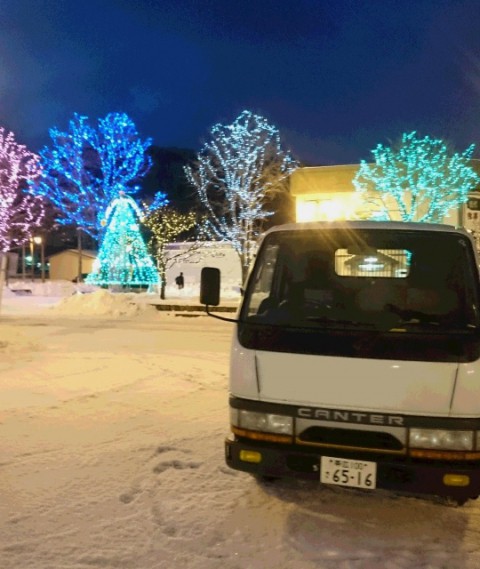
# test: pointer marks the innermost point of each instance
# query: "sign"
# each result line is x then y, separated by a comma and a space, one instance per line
471, 216
473, 204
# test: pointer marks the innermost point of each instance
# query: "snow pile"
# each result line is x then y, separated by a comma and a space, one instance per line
8, 293
101, 303
228, 292
22, 297
58, 288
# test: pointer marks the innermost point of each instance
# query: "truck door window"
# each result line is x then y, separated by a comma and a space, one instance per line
260, 296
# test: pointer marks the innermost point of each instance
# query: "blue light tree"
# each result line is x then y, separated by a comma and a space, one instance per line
235, 175
84, 167
418, 180
123, 258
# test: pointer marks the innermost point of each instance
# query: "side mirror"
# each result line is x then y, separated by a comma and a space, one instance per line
210, 286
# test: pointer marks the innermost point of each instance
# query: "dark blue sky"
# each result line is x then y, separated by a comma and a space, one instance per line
335, 76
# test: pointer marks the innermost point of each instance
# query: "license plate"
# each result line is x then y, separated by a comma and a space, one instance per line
353, 473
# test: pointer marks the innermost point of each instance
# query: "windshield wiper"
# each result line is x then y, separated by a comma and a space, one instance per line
330, 320
415, 322
434, 325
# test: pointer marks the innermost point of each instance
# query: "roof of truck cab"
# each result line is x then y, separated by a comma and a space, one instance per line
396, 225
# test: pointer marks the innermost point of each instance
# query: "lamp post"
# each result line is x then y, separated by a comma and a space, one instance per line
23, 260
39, 241
32, 260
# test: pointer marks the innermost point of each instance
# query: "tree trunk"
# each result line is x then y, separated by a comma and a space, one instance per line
244, 268
163, 279
7, 268
3, 272
42, 257
162, 273
80, 254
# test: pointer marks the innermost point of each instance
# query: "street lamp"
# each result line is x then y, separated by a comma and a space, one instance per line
39, 241
32, 260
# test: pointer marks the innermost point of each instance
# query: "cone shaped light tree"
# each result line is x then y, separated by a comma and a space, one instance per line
123, 258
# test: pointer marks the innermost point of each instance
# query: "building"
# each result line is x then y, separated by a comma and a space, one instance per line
182, 258
64, 265
327, 193
324, 192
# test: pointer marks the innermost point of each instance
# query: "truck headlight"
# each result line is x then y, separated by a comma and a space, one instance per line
440, 439
263, 422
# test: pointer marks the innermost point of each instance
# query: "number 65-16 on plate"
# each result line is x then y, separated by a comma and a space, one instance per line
346, 472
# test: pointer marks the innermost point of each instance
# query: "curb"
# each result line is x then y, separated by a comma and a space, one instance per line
193, 308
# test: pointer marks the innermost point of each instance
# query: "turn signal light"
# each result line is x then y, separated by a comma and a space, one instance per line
444, 454
456, 480
270, 437
250, 456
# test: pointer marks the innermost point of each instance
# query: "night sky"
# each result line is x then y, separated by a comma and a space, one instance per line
335, 76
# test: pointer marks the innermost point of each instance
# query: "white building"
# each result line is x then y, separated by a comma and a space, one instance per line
208, 254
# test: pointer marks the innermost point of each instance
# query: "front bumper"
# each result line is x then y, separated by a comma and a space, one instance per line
393, 473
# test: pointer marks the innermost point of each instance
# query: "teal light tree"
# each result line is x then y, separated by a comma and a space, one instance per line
123, 258
419, 179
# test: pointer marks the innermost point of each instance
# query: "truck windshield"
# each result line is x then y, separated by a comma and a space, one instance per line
370, 279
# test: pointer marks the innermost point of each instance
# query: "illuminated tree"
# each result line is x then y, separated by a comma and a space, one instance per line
20, 212
235, 175
123, 258
166, 225
419, 180
86, 167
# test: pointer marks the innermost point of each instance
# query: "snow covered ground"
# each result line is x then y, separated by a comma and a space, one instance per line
112, 419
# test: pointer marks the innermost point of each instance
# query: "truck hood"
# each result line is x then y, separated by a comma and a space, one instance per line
366, 384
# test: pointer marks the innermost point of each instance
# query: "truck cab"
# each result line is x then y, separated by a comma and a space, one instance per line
355, 359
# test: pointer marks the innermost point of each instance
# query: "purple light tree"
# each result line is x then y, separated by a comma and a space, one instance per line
20, 211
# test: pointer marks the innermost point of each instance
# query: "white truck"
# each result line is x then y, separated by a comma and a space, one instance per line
356, 358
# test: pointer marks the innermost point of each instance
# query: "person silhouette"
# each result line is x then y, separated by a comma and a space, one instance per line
179, 281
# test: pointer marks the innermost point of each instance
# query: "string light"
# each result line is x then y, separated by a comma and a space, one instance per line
166, 225
123, 258
20, 211
235, 173
84, 168
422, 178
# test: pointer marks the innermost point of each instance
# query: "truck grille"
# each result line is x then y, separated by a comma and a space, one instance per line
374, 440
